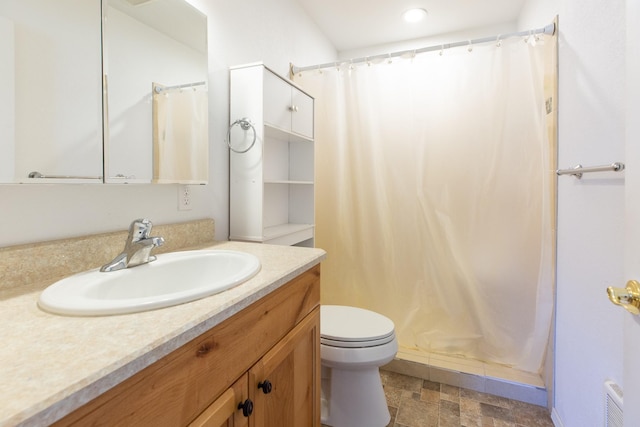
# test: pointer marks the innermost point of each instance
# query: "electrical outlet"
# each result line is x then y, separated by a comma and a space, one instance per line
184, 198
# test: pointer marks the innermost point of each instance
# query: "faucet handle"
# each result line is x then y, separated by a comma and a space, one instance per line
140, 229
137, 249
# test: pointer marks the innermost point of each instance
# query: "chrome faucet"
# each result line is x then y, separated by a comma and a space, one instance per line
137, 249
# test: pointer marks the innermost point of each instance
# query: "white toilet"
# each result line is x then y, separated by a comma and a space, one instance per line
354, 343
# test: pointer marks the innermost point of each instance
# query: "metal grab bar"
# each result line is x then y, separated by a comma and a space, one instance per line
578, 170
36, 174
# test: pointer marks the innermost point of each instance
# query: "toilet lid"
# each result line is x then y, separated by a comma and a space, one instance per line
352, 325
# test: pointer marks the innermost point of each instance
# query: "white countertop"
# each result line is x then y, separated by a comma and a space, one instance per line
50, 365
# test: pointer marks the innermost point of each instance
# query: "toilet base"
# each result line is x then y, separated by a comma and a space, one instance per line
353, 398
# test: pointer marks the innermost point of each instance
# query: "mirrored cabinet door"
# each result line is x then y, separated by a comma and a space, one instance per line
50, 91
103, 91
156, 73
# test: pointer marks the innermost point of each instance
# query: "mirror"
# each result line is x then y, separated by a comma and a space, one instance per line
50, 90
52, 59
156, 109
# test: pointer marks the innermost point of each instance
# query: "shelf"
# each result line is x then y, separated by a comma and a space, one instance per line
271, 131
288, 234
272, 190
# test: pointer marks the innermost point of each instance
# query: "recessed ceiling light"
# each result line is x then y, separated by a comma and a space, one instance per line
414, 15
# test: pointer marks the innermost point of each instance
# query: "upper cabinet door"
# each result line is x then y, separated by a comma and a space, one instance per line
277, 101
287, 107
302, 116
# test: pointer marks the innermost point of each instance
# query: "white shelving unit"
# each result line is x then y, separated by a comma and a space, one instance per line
272, 184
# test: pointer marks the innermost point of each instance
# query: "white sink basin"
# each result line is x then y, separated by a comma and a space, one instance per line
171, 279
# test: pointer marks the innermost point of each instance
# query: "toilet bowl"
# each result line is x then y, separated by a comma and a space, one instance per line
354, 343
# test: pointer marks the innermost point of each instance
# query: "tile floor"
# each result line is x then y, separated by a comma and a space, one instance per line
414, 402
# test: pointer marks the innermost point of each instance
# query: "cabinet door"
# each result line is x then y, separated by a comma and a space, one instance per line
285, 384
224, 412
277, 101
302, 116
287, 107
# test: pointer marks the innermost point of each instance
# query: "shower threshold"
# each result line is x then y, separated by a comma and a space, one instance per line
471, 374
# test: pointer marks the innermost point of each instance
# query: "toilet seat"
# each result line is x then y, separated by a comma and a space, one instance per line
357, 344
353, 327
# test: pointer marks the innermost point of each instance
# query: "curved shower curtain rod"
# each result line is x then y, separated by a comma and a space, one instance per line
548, 30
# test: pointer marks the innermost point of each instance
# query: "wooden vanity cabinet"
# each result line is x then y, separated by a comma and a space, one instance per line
224, 412
275, 339
282, 385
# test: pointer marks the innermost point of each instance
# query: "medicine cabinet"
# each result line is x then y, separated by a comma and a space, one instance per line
77, 97
272, 183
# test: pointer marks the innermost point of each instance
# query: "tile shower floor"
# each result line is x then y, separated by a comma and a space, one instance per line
414, 402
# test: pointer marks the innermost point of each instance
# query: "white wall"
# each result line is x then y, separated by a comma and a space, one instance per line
590, 217
273, 31
536, 13
590, 211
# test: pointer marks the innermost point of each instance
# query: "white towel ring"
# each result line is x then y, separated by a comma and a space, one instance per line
245, 124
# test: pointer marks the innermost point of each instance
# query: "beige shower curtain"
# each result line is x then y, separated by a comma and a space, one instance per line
433, 201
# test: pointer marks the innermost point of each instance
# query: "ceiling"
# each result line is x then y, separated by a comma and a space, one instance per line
354, 24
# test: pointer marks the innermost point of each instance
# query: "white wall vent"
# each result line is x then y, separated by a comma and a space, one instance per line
613, 404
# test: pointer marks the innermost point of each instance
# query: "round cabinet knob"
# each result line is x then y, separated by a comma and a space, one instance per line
266, 386
247, 407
